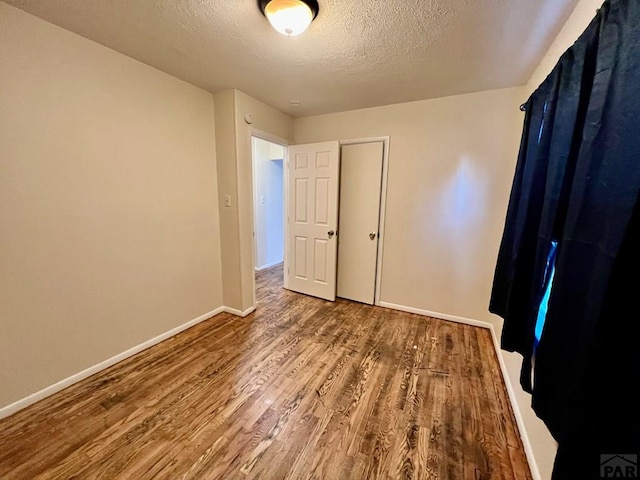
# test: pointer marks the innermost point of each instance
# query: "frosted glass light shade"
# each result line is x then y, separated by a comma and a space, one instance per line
289, 17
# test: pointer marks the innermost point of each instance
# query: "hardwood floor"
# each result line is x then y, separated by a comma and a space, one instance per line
301, 389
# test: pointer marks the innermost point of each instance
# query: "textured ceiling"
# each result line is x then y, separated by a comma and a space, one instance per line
356, 54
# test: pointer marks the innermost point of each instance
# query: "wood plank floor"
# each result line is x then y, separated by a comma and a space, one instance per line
301, 389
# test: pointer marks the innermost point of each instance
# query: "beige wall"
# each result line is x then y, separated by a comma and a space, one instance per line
228, 186
582, 15
451, 162
276, 125
108, 204
235, 179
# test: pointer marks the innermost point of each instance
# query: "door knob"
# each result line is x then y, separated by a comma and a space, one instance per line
372, 235
331, 233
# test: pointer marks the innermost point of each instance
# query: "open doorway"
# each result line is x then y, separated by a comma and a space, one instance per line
268, 204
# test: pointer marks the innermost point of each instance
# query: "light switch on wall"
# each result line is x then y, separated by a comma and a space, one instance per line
227, 200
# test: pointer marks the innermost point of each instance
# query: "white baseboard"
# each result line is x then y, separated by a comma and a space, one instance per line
528, 450
62, 384
496, 345
268, 265
441, 316
56, 387
239, 313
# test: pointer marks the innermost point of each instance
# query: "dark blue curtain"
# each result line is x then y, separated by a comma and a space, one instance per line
576, 187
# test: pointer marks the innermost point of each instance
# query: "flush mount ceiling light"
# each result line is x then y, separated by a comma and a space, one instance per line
289, 17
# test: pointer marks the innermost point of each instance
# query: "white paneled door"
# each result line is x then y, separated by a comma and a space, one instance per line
312, 218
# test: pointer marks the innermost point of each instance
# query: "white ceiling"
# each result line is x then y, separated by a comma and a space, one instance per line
356, 54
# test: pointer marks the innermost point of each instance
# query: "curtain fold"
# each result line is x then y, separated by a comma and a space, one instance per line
552, 130
577, 183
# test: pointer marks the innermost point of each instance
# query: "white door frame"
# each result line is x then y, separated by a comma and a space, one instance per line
383, 203
254, 132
